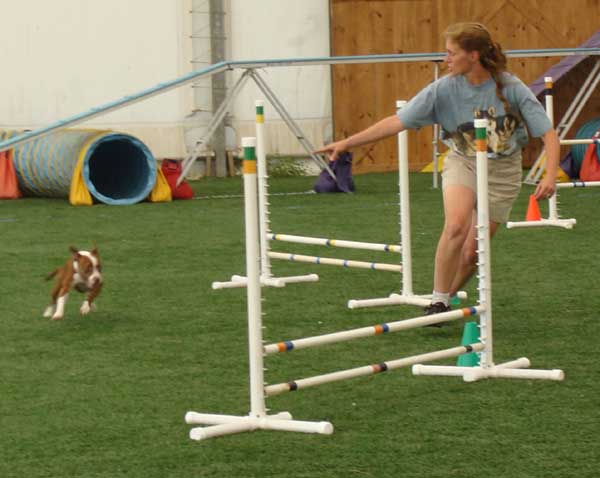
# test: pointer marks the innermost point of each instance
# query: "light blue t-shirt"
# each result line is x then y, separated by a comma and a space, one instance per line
453, 102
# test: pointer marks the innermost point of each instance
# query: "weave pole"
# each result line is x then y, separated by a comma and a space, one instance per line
218, 425
487, 368
553, 219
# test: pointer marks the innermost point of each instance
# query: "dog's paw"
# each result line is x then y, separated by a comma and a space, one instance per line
49, 312
86, 308
57, 317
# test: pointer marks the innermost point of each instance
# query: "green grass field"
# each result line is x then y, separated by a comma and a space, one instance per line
105, 395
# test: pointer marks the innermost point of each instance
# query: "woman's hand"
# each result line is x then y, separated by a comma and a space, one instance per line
546, 187
334, 149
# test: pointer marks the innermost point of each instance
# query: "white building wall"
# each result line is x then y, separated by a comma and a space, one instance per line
275, 29
62, 57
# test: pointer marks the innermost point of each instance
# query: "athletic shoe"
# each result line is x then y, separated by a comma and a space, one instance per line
437, 308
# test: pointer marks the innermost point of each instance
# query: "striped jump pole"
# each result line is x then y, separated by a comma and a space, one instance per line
303, 383
578, 184
318, 241
330, 261
379, 329
486, 368
218, 425
553, 219
570, 142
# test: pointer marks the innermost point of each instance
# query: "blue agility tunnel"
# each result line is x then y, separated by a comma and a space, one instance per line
112, 168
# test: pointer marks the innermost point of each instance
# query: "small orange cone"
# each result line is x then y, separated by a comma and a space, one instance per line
533, 211
9, 186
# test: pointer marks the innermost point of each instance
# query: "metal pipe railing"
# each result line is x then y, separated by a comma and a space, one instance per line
255, 64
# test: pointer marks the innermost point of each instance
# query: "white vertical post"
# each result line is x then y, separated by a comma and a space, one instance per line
483, 244
255, 346
263, 198
552, 207
403, 183
436, 133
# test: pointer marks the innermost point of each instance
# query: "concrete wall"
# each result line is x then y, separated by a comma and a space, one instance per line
64, 57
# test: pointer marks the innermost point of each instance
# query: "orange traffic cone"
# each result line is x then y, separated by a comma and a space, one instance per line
533, 211
9, 186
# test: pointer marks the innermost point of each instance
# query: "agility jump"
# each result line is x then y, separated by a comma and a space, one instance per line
553, 217
406, 295
266, 235
218, 425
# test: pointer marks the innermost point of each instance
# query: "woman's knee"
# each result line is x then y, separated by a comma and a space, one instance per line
456, 230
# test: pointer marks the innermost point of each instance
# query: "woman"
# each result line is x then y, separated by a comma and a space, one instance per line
477, 86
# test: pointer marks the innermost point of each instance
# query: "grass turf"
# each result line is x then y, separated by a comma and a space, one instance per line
105, 395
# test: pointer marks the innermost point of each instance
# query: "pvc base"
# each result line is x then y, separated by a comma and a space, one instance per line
564, 223
397, 299
514, 369
241, 281
220, 425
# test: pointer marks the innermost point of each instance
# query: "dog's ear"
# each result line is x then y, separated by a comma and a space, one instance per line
73, 251
95, 251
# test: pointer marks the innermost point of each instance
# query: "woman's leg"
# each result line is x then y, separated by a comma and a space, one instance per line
459, 204
468, 256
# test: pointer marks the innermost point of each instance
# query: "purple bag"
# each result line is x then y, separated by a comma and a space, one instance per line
342, 168
570, 166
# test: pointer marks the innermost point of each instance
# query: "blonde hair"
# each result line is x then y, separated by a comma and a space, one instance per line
476, 37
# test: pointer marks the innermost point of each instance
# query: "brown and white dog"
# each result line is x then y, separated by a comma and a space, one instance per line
82, 272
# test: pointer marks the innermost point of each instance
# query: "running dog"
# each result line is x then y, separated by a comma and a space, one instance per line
82, 272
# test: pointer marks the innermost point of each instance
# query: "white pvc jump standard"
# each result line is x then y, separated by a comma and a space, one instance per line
566, 122
406, 296
266, 235
218, 425
487, 368
266, 276
553, 218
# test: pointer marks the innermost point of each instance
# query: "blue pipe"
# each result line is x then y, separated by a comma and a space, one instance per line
230, 65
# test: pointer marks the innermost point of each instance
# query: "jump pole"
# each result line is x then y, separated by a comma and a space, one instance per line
553, 219
218, 425
486, 368
407, 296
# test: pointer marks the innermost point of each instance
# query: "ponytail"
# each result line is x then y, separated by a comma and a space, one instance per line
494, 61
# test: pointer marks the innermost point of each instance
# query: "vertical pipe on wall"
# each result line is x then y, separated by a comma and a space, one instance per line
219, 86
